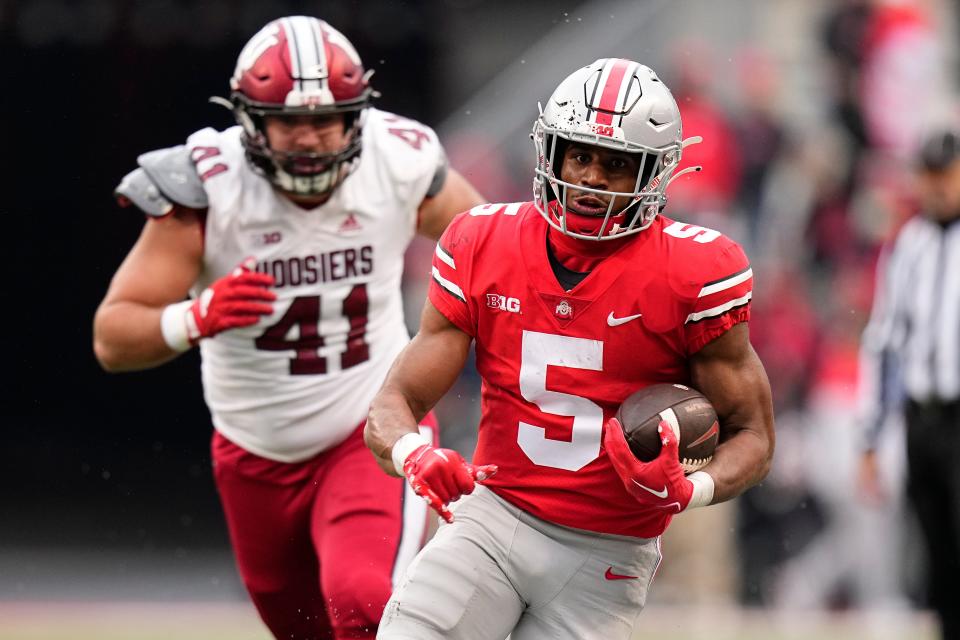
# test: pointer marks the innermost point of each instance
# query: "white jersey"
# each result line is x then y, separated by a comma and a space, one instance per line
301, 380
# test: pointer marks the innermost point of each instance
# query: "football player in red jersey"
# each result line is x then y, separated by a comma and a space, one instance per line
573, 300
288, 231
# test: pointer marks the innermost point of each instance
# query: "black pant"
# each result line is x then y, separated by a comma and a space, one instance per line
933, 486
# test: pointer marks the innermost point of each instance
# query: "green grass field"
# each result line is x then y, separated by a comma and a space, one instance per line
238, 621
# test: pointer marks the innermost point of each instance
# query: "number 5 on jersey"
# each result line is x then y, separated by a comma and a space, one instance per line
539, 351
304, 314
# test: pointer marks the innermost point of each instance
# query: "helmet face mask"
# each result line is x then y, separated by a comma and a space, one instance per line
300, 66
616, 105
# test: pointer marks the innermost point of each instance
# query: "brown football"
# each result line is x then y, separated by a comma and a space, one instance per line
691, 415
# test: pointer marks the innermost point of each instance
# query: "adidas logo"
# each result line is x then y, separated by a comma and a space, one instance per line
351, 224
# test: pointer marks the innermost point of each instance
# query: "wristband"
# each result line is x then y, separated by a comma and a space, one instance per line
173, 326
406, 445
702, 489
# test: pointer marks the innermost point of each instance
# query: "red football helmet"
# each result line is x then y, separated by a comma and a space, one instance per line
294, 66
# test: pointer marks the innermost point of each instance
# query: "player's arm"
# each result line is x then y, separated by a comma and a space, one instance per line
144, 321
436, 211
158, 271
422, 373
877, 368
729, 373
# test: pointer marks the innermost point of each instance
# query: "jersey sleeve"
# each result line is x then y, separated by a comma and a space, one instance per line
722, 301
414, 157
450, 275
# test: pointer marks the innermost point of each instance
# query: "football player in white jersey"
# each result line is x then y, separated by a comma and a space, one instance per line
288, 233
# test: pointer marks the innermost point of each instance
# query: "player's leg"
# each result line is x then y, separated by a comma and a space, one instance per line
951, 622
456, 588
267, 513
931, 480
366, 526
580, 585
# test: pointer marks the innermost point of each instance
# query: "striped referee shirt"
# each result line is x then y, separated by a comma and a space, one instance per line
911, 345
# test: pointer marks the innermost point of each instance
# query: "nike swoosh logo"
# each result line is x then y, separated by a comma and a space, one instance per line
616, 322
714, 430
610, 575
660, 494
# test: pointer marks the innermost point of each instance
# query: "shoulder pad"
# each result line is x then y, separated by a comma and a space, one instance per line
174, 174
166, 177
137, 188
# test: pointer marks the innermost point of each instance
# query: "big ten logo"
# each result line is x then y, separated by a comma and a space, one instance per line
602, 129
503, 303
267, 237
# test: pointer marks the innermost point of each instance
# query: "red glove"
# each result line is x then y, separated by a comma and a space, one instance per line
235, 300
659, 483
441, 476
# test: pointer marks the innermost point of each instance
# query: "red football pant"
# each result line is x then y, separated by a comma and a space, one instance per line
318, 543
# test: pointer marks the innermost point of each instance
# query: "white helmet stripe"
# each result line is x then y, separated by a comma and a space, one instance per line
320, 70
294, 51
624, 94
592, 91
312, 68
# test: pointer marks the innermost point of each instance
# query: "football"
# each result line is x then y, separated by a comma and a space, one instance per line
686, 410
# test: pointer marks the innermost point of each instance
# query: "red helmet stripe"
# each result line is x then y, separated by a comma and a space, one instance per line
611, 90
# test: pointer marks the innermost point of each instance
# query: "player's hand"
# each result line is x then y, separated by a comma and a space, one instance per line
441, 476
659, 483
235, 300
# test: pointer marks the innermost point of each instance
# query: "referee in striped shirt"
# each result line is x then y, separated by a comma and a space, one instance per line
910, 358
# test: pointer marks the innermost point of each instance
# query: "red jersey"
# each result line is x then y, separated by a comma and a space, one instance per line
557, 364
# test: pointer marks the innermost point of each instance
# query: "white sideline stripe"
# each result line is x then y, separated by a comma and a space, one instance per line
414, 524
716, 311
726, 284
445, 257
446, 284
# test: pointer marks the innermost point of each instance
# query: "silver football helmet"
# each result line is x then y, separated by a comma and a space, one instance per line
617, 104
